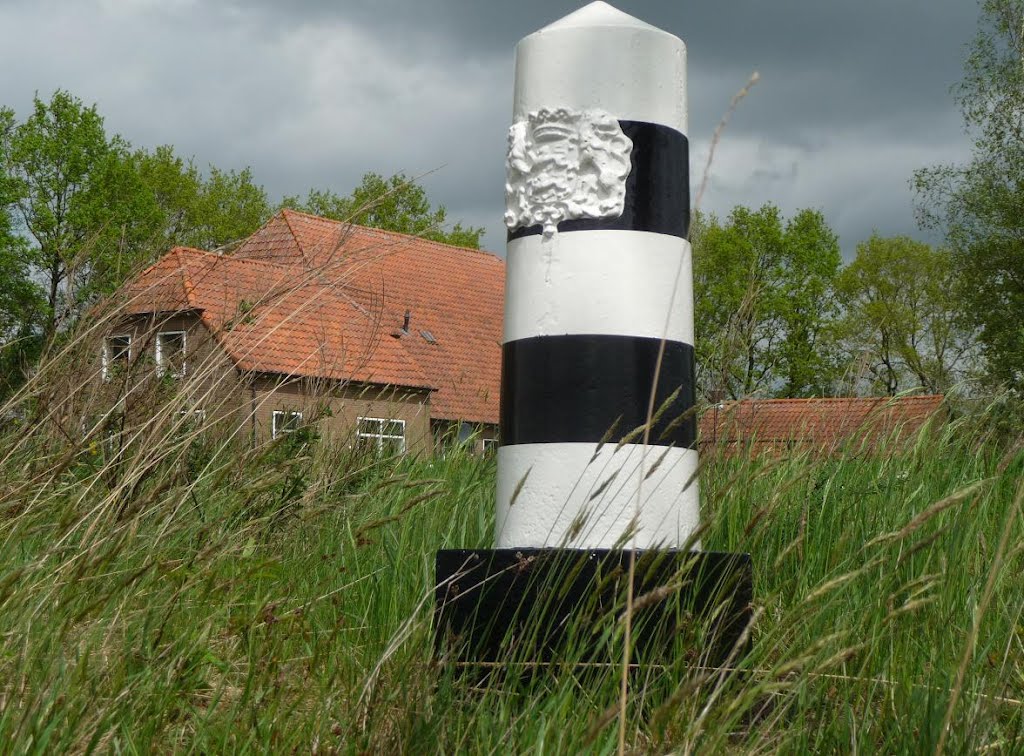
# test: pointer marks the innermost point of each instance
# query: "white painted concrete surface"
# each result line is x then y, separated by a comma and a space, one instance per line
570, 499
600, 57
599, 282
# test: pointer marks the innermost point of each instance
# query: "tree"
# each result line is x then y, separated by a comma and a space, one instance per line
764, 303
980, 205
74, 198
231, 207
21, 299
900, 322
809, 306
394, 204
91, 210
21, 308
196, 212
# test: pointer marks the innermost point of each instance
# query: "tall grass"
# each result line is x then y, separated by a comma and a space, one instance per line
230, 596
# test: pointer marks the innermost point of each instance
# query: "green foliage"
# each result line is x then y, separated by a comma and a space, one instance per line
231, 207
82, 211
21, 298
193, 211
397, 203
66, 182
901, 323
980, 205
764, 302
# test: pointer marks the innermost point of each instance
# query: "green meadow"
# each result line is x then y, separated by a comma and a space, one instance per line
175, 590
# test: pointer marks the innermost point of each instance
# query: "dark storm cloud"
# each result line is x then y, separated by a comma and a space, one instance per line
853, 96
872, 55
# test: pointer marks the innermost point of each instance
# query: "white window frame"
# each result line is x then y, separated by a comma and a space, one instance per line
198, 416
106, 359
274, 432
161, 368
379, 436
488, 446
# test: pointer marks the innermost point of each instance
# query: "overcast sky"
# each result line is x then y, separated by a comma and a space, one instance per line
853, 95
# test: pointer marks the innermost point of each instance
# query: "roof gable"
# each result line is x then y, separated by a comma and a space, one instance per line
274, 243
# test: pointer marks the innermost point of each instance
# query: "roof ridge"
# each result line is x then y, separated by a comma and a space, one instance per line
247, 260
809, 399
293, 211
425, 240
160, 259
185, 248
295, 238
186, 280
386, 232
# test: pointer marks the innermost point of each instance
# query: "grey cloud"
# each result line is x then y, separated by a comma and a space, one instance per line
853, 96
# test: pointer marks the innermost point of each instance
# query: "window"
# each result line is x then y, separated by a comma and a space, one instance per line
117, 351
285, 421
385, 437
489, 446
190, 420
170, 353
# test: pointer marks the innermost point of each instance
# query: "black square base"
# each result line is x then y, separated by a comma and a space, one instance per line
567, 605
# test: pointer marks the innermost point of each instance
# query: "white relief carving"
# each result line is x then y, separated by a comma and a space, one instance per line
564, 164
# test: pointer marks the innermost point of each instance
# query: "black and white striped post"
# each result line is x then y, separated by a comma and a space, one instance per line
598, 315
598, 271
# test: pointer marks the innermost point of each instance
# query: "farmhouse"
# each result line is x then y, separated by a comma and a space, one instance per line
380, 336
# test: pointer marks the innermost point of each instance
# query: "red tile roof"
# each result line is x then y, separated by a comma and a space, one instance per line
454, 294
816, 422
310, 296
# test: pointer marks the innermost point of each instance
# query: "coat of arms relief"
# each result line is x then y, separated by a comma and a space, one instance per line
564, 164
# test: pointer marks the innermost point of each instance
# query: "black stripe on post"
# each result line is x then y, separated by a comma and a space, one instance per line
575, 388
657, 190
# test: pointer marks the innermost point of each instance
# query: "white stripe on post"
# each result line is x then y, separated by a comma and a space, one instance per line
596, 252
599, 275
570, 501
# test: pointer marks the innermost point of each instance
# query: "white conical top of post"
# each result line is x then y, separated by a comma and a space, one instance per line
599, 13
601, 58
